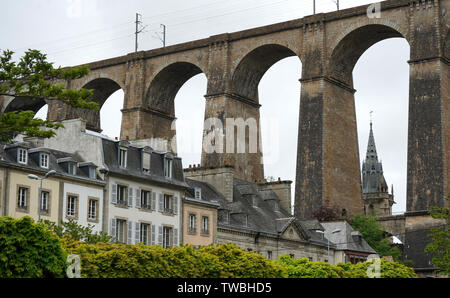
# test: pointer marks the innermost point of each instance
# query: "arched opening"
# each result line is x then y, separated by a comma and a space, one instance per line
42, 112
254, 78
190, 115
21, 103
177, 94
103, 89
111, 115
373, 60
253, 66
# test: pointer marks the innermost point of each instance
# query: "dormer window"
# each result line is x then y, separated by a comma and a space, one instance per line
71, 168
92, 173
22, 156
43, 160
198, 193
168, 167
123, 157
146, 162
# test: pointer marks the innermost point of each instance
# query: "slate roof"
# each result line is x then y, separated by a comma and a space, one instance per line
134, 164
249, 201
344, 239
8, 156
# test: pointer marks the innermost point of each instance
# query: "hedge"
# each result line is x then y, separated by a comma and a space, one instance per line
29, 250
106, 260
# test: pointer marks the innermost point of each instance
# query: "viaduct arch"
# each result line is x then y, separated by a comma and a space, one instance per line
329, 45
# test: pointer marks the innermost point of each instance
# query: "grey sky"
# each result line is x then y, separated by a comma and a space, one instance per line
74, 32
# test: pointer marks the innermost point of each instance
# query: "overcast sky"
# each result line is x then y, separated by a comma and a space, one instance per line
74, 32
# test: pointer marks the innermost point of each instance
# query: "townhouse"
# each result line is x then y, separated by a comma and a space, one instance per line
70, 187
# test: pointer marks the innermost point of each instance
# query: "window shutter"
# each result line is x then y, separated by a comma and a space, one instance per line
137, 233
175, 205
130, 197
160, 235
114, 194
154, 201
138, 198
113, 228
153, 235
161, 202
175, 237
129, 232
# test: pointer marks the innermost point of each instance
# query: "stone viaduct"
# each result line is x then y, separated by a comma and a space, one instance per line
328, 45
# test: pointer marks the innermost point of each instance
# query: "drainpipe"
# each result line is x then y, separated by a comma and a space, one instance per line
5, 208
105, 202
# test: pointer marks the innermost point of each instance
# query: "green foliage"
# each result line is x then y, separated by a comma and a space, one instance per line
72, 230
107, 260
302, 268
35, 78
28, 249
440, 244
375, 235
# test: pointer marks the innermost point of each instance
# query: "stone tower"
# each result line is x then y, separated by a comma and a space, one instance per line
375, 195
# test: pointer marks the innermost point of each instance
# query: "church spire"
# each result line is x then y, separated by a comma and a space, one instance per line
371, 148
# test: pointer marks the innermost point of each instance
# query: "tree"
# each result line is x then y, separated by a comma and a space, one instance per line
375, 235
28, 249
440, 244
35, 78
325, 213
71, 230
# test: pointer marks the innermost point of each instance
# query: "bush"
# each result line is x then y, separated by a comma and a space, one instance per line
302, 268
28, 249
107, 260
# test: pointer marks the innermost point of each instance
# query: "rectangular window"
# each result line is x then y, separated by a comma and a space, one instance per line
145, 233
269, 254
93, 209
168, 168
167, 237
146, 162
44, 160
168, 203
71, 206
45, 196
192, 223
123, 158
198, 193
22, 198
22, 156
121, 195
145, 199
72, 168
92, 173
205, 225
121, 230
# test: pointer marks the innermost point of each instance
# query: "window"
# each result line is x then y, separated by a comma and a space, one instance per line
168, 200
144, 233
121, 230
292, 256
72, 206
22, 156
45, 196
145, 199
121, 195
44, 160
92, 173
192, 223
198, 193
22, 198
71, 168
123, 158
168, 168
167, 237
269, 254
146, 162
93, 209
205, 225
